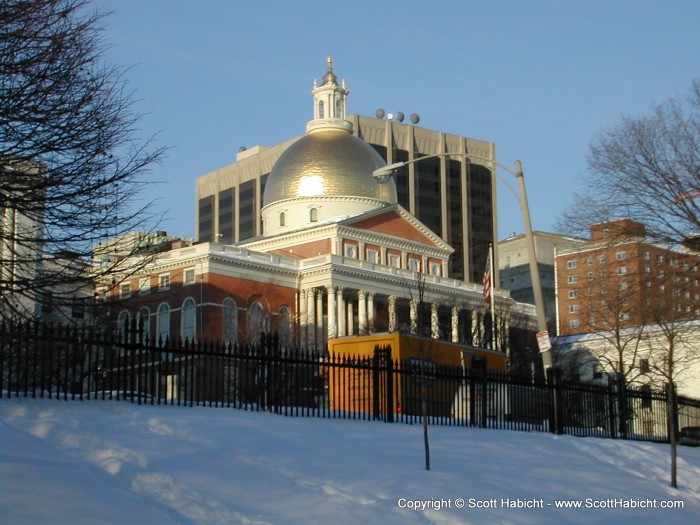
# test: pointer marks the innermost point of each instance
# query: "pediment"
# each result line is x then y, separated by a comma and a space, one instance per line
397, 222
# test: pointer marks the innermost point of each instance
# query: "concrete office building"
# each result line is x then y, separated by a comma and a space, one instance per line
514, 265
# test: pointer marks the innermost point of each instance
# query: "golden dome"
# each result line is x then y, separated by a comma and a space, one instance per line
327, 163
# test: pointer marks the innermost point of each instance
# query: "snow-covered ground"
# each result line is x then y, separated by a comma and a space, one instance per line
104, 462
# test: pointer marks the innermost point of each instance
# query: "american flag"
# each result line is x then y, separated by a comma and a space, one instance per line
487, 278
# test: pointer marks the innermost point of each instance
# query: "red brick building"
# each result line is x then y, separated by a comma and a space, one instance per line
337, 256
621, 280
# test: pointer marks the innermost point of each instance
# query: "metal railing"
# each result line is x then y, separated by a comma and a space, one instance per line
68, 362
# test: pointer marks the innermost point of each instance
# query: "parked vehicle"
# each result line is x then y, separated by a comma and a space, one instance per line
690, 436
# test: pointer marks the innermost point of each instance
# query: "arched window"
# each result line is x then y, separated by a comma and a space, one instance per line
257, 322
189, 319
230, 320
284, 328
313, 215
320, 109
283, 219
338, 108
163, 321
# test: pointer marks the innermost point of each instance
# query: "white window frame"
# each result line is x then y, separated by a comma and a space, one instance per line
163, 282
372, 255
185, 280
144, 285
125, 290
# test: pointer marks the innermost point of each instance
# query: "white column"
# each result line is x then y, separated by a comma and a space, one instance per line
455, 324
414, 316
474, 324
311, 324
350, 318
303, 313
319, 318
332, 311
342, 313
362, 311
370, 312
434, 321
392, 313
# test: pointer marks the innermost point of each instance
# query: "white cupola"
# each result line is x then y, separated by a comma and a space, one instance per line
329, 103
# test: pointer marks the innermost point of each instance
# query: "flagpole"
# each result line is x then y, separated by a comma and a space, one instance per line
492, 300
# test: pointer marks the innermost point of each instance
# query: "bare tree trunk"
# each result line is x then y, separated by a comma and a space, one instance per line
424, 410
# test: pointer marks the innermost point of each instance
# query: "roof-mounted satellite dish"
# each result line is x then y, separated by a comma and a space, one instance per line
380, 113
389, 116
415, 118
399, 116
242, 149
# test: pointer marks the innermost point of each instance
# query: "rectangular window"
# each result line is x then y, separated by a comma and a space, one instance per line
621, 256
573, 294
372, 256
394, 260
78, 310
644, 366
622, 270
573, 308
571, 265
124, 291
573, 279
144, 285
189, 277
164, 282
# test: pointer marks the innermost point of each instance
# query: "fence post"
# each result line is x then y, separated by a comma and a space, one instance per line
622, 403
612, 415
672, 408
389, 388
556, 412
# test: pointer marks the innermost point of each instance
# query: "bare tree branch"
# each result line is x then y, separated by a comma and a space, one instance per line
71, 169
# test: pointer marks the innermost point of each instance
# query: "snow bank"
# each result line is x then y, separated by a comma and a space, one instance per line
117, 463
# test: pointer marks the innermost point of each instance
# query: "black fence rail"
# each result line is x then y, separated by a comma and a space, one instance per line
65, 362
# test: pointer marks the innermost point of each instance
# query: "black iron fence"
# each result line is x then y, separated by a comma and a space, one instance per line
65, 362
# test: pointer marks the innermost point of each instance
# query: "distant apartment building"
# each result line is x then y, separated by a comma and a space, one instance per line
514, 266
620, 280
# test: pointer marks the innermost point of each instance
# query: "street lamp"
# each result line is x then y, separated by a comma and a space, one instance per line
384, 173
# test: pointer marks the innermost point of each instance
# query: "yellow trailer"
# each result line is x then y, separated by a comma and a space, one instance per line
372, 384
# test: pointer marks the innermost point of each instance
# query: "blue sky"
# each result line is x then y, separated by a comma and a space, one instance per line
539, 78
